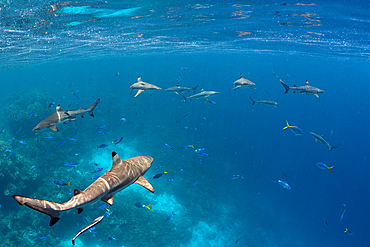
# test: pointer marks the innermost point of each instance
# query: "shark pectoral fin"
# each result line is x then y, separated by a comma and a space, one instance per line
139, 92
54, 128
316, 95
79, 210
143, 182
108, 199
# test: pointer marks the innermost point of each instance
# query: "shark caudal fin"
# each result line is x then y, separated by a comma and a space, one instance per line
252, 100
285, 85
92, 107
287, 125
195, 88
331, 148
53, 209
330, 168
184, 98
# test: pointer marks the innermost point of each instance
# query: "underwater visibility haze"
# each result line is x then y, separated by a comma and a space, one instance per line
254, 115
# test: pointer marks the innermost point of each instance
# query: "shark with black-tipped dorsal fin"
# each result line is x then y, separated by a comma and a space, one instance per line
142, 86
203, 94
120, 176
177, 89
242, 82
322, 140
60, 116
264, 102
306, 89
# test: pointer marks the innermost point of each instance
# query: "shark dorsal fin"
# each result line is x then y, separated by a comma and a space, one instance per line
138, 79
202, 90
269, 98
76, 192
178, 84
307, 84
58, 109
143, 182
80, 108
116, 159
241, 76
108, 200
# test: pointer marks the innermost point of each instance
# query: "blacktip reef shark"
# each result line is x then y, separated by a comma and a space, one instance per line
306, 89
322, 140
120, 176
60, 116
264, 102
142, 86
203, 94
177, 89
242, 82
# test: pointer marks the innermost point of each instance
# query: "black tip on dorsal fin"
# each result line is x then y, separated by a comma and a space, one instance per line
116, 159
241, 76
307, 82
76, 192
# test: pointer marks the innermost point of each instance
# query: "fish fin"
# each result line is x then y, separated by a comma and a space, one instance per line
330, 168
143, 182
79, 210
148, 207
184, 98
108, 200
287, 125
253, 101
69, 183
307, 84
54, 128
206, 100
116, 159
331, 148
139, 92
195, 88
316, 95
92, 107
52, 209
284, 85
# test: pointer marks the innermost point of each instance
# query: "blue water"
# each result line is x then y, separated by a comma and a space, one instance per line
73, 59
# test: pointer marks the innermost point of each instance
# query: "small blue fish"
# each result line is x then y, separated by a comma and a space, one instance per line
10, 143
49, 137
76, 154
169, 180
123, 224
95, 177
168, 146
102, 127
70, 165
102, 146
158, 167
341, 217
102, 207
211, 101
60, 143
75, 163
284, 184
97, 170
43, 238
115, 143
61, 183
50, 105
22, 142
349, 232
323, 166
199, 150
159, 174
194, 183
71, 139
71, 193
188, 146
123, 119
10, 151
110, 239
186, 115
236, 177
204, 154
295, 129
95, 164
100, 132
170, 217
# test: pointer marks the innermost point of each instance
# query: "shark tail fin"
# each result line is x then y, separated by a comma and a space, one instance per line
331, 148
330, 168
148, 207
92, 107
285, 86
252, 100
184, 98
287, 125
195, 88
52, 209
